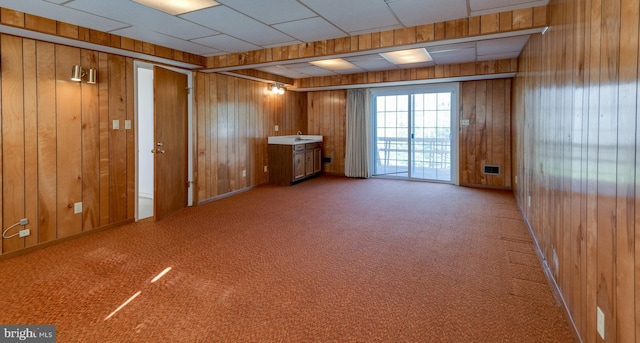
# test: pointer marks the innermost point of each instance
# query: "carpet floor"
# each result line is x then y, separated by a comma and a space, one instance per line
328, 260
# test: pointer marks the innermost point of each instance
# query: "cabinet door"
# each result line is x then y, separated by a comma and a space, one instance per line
308, 163
317, 160
298, 164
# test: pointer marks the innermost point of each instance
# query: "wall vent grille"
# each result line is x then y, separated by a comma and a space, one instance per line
491, 169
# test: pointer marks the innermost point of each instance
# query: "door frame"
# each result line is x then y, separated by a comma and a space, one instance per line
146, 65
454, 88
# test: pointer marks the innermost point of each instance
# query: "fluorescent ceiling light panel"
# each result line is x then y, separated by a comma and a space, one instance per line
407, 56
335, 64
175, 7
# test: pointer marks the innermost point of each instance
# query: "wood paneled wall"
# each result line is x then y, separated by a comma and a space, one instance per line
234, 117
57, 145
327, 117
576, 134
487, 138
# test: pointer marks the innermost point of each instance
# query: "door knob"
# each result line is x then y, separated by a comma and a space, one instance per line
159, 144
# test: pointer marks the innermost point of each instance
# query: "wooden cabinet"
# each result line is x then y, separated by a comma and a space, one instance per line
289, 164
299, 162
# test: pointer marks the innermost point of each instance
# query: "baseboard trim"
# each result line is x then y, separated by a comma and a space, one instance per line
555, 289
40, 246
226, 195
475, 185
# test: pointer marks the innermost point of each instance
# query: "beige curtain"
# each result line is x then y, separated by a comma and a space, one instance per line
357, 154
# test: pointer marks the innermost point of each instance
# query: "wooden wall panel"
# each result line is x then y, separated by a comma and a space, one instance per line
90, 146
487, 138
60, 143
130, 138
117, 139
576, 155
30, 138
105, 127
13, 153
327, 117
234, 118
69, 167
47, 143
1, 156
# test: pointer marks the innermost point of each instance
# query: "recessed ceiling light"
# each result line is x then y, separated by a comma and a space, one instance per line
407, 56
174, 7
334, 64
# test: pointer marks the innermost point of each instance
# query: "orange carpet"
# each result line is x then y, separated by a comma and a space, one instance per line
328, 260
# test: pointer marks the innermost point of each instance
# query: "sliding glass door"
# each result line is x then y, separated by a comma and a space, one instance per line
414, 132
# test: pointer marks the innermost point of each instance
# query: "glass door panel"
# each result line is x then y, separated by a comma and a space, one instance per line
392, 135
431, 143
413, 134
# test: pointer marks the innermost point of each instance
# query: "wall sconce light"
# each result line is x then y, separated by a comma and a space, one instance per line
77, 73
277, 88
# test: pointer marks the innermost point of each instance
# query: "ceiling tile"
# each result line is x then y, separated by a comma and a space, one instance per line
502, 45
376, 29
498, 56
60, 13
142, 16
282, 71
312, 70
272, 11
226, 43
354, 15
235, 24
479, 7
418, 12
164, 40
454, 56
310, 30
373, 62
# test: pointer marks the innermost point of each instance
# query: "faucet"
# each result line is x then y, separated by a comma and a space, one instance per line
299, 133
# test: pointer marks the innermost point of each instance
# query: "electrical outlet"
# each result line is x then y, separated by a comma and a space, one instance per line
127, 124
116, 124
266, 169
600, 322
464, 122
24, 233
244, 173
276, 128
77, 208
24, 221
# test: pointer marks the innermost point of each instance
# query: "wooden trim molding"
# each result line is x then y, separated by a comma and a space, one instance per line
56, 28
511, 21
506, 66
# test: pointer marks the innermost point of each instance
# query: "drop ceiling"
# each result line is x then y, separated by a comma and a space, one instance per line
244, 25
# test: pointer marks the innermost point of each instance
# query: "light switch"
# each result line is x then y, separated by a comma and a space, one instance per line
116, 124
127, 124
464, 122
276, 128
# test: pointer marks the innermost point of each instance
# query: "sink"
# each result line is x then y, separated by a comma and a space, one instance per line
294, 139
